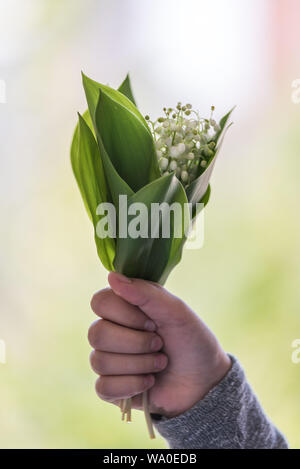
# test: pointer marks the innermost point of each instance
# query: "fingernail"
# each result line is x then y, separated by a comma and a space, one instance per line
122, 278
149, 325
160, 362
149, 380
156, 343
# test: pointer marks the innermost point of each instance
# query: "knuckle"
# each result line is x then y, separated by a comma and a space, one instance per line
102, 389
91, 333
96, 332
92, 360
98, 362
100, 299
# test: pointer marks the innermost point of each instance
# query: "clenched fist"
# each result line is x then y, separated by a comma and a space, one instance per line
148, 339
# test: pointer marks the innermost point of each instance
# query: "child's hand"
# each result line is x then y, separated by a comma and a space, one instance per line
149, 339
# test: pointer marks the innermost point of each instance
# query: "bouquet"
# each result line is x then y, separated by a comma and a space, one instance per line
142, 182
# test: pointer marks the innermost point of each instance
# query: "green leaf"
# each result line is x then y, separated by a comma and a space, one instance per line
76, 166
128, 144
222, 125
206, 197
89, 174
75, 153
92, 89
198, 188
117, 186
125, 88
177, 248
147, 258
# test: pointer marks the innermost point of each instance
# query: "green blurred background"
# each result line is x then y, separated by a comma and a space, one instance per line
244, 282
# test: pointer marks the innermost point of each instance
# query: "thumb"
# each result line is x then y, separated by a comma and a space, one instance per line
151, 298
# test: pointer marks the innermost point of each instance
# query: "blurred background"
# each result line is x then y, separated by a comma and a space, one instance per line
244, 282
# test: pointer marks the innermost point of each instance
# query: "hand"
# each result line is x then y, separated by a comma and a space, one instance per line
150, 339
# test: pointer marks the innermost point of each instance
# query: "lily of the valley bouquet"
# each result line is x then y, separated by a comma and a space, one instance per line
143, 182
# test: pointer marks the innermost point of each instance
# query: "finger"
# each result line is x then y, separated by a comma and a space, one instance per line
109, 337
104, 363
151, 298
111, 388
106, 304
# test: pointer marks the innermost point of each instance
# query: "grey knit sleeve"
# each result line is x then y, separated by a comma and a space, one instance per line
229, 416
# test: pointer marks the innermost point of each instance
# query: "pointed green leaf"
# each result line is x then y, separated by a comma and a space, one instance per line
222, 124
125, 88
177, 247
75, 153
76, 167
148, 257
92, 88
199, 187
117, 186
128, 144
89, 174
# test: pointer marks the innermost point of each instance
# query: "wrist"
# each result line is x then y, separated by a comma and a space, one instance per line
193, 391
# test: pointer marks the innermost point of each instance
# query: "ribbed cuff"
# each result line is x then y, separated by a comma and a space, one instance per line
199, 427
229, 416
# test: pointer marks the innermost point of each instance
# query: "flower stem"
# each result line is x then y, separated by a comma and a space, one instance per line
124, 407
147, 415
128, 416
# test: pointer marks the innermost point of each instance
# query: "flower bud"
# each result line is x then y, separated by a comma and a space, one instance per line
173, 165
163, 163
207, 151
174, 152
181, 148
168, 141
184, 176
